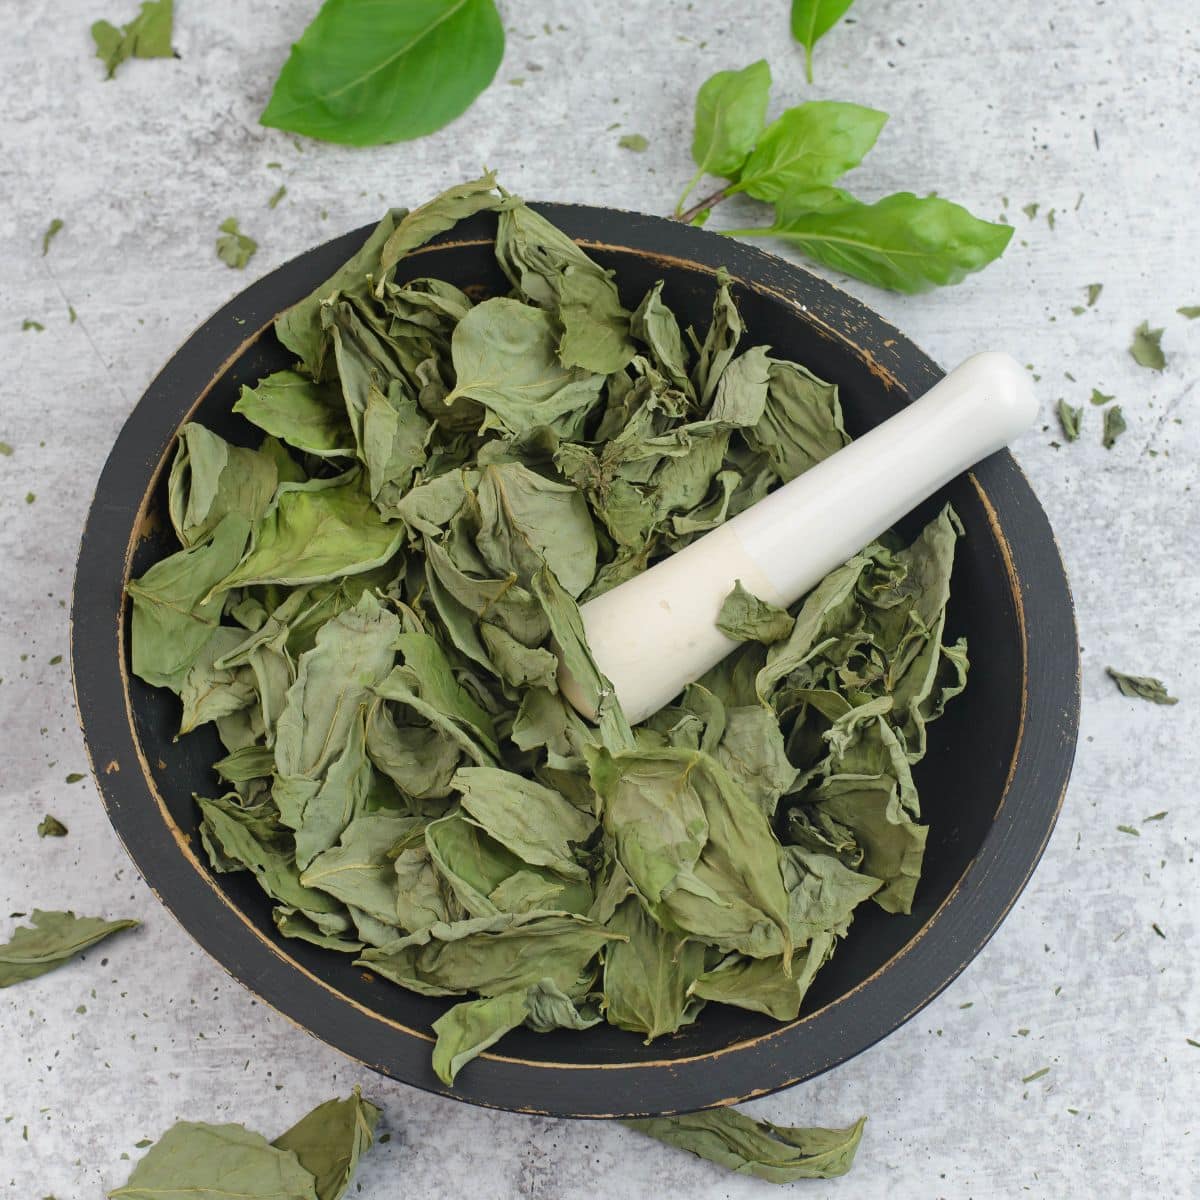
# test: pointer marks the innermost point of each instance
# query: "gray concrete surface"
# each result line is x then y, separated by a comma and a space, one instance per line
1086, 108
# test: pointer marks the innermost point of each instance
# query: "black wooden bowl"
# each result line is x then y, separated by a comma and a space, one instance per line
991, 783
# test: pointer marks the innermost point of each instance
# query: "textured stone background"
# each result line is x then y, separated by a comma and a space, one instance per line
1084, 107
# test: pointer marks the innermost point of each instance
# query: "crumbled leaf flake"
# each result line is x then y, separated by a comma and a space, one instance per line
1099, 398
633, 141
30, 324
1191, 311
1158, 816
51, 827
75, 777
1030, 210
1114, 426
1069, 418
234, 248
1146, 347
52, 231
1129, 829
1036, 1075
277, 195
1093, 293
1142, 687
148, 35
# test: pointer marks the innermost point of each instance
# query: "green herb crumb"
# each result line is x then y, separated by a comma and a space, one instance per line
1069, 418
633, 141
52, 231
234, 248
1142, 687
1146, 347
51, 827
1114, 425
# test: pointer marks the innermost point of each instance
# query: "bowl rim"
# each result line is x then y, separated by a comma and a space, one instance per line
784, 1055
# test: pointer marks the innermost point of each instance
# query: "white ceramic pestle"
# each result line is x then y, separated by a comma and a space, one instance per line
656, 633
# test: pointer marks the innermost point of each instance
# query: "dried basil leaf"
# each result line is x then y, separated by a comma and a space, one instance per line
329, 1141
53, 939
1142, 687
746, 618
216, 1162
50, 826
776, 1153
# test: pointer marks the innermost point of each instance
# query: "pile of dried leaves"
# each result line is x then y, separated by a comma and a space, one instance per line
371, 607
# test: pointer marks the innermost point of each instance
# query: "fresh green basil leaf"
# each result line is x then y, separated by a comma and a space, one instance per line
808, 147
746, 618
731, 112
365, 74
811, 21
904, 242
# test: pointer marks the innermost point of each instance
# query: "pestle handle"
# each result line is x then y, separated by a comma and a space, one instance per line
656, 633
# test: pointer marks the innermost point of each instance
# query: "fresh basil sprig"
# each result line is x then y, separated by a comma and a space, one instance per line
904, 242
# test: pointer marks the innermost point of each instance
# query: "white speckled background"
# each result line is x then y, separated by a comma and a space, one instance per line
1032, 102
